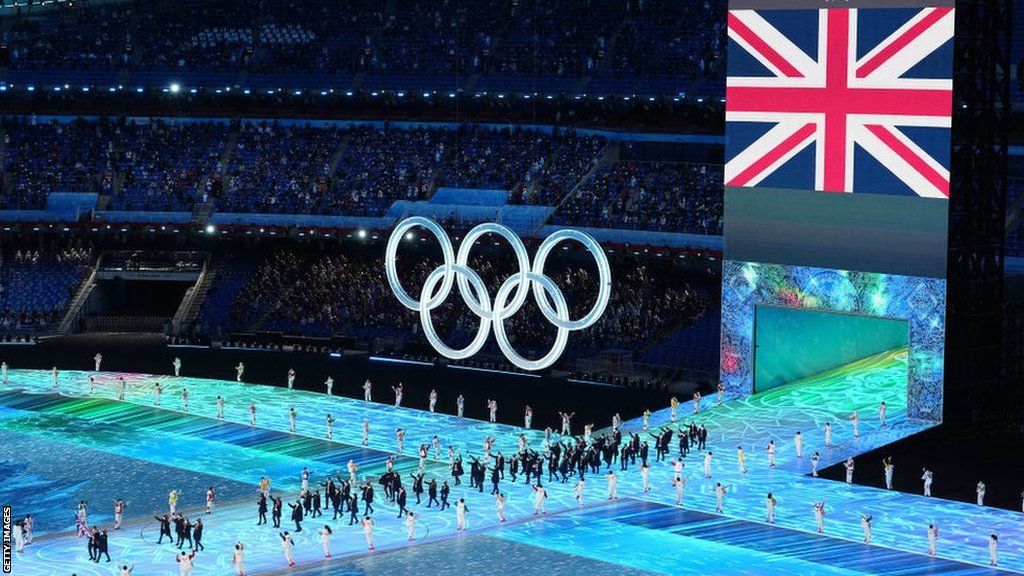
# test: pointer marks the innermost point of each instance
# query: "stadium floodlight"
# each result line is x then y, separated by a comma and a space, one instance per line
361, 234
175, 88
210, 228
140, 89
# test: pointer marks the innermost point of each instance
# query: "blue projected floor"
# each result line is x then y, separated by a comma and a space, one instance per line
57, 448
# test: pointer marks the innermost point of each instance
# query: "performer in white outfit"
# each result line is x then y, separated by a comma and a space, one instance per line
499, 502
398, 394
855, 420
432, 400
798, 441
291, 378
177, 366
220, 408
286, 545
329, 384
98, 359
460, 514
367, 391
613, 486
460, 406
980, 489
238, 559
118, 513
325, 539
566, 422
410, 525
719, 496
933, 535
539, 496
679, 483
185, 563
865, 523
239, 371
527, 417
368, 531
819, 516
993, 550
927, 477
881, 414
770, 503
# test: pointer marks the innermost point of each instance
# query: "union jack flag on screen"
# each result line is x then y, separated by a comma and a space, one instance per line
840, 100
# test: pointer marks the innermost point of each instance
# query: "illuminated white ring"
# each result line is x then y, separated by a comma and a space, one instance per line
428, 323
604, 290
469, 282
391, 269
522, 257
561, 337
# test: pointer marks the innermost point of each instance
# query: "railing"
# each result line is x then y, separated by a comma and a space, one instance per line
74, 311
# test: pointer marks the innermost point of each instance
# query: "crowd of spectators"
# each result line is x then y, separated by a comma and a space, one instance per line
671, 39
267, 167
280, 169
36, 284
318, 290
663, 196
164, 163
54, 157
515, 38
357, 170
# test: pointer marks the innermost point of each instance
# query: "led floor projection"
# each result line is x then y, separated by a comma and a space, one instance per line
68, 446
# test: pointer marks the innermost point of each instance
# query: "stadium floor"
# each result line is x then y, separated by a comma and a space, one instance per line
59, 448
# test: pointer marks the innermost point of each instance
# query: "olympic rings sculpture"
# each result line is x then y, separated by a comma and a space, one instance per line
474, 292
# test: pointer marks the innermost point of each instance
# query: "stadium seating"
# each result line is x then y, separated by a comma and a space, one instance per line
36, 285
522, 46
648, 196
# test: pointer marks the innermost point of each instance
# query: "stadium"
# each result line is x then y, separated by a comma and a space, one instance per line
598, 287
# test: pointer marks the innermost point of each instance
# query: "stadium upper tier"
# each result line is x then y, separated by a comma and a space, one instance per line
643, 47
525, 177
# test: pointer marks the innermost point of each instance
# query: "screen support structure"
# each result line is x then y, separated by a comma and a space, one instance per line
975, 376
